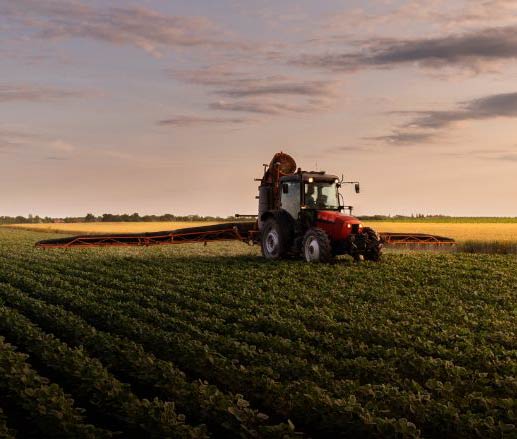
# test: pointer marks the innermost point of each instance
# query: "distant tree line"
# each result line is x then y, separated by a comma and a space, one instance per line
135, 217
107, 217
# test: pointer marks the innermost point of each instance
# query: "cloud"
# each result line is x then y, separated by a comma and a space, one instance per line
271, 95
404, 138
21, 141
56, 158
416, 17
187, 121
425, 126
270, 107
37, 93
272, 86
488, 107
238, 84
473, 50
61, 146
507, 157
14, 139
135, 26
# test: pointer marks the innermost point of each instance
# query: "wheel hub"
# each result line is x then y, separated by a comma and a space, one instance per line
272, 241
312, 250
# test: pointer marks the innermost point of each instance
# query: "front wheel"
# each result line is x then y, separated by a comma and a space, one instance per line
373, 251
316, 246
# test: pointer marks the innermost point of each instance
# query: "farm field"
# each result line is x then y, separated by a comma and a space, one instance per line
107, 227
193, 341
461, 232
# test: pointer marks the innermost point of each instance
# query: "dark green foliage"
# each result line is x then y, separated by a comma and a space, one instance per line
5, 431
52, 412
420, 345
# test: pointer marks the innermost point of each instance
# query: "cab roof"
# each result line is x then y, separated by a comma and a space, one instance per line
305, 175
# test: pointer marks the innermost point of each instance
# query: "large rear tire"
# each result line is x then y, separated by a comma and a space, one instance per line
374, 245
316, 246
274, 240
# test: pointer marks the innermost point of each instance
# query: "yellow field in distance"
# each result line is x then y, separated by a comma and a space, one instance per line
121, 227
461, 232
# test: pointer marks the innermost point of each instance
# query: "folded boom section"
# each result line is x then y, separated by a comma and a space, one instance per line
399, 238
241, 231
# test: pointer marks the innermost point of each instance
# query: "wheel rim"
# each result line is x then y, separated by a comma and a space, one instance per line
272, 242
312, 250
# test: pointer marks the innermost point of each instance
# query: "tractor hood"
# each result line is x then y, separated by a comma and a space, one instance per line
332, 216
338, 225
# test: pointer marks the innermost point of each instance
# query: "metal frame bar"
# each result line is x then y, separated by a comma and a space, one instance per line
415, 238
227, 234
230, 234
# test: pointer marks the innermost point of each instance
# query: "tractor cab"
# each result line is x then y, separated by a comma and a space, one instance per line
309, 191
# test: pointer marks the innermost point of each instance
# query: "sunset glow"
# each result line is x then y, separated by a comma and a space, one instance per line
173, 106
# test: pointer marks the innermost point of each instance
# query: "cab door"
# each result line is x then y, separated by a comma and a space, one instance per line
290, 198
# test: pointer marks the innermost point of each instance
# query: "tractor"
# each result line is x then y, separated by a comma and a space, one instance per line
301, 213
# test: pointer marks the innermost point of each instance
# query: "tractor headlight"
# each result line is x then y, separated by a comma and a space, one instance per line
349, 226
311, 180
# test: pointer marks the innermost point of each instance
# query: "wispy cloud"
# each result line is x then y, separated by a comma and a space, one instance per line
404, 138
188, 121
11, 140
37, 93
234, 84
278, 86
21, 141
473, 50
425, 126
269, 107
507, 157
135, 26
488, 107
268, 94
416, 17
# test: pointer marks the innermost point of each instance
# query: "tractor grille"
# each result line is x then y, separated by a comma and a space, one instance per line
355, 228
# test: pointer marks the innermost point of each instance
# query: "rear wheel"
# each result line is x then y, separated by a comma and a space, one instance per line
373, 251
316, 246
274, 240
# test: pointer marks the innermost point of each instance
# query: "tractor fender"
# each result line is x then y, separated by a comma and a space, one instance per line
284, 219
281, 215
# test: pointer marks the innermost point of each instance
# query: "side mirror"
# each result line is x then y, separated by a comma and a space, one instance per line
285, 188
357, 188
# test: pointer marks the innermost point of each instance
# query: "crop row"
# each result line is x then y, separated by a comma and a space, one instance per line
46, 406
91, 382
302, 401
225, 414
378, 363
287, 319
5, 431
431, 414
428, 339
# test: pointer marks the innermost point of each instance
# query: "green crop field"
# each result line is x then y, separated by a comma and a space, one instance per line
193, 341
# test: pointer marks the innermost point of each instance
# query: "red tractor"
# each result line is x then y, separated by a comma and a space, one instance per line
300, 213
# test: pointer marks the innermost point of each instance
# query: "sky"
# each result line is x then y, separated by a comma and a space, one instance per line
172, 106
